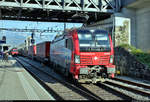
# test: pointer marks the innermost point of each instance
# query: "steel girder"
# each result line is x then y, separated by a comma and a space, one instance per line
58, 10
65, 5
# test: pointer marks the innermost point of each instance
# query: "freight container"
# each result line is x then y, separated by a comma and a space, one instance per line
43, 51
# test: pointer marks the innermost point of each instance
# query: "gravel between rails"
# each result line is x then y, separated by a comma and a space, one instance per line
136, 85
102, 93
133, 79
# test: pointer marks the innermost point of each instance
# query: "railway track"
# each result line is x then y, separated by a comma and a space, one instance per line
136, 90
99, 93
105, 93
133, 83
61, 90
91, 91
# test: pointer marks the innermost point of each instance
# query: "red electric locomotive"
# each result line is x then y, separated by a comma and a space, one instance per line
14, 52
86, 54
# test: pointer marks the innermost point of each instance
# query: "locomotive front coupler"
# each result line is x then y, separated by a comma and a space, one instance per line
94, 69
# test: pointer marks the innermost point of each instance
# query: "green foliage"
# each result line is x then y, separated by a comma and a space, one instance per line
140, 55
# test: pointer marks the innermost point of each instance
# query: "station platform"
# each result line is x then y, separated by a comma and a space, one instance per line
17, 84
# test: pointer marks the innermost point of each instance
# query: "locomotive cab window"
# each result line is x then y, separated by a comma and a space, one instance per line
96, 41
69, 44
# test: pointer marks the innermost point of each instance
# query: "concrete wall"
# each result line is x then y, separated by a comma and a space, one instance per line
140, 24
131, 13
143, 28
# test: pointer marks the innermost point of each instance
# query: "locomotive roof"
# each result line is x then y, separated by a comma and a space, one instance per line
91, 30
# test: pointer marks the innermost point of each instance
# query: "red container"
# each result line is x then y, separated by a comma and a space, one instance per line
43, 50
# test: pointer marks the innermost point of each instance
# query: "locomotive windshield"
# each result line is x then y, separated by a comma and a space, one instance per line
14, 50
96, 41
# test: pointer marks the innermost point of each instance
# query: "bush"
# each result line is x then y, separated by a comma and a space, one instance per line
139, 54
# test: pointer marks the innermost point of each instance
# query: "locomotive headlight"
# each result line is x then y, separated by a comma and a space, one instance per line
77, 59
111, 58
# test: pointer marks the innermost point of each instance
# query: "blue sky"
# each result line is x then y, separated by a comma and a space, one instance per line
16, 38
